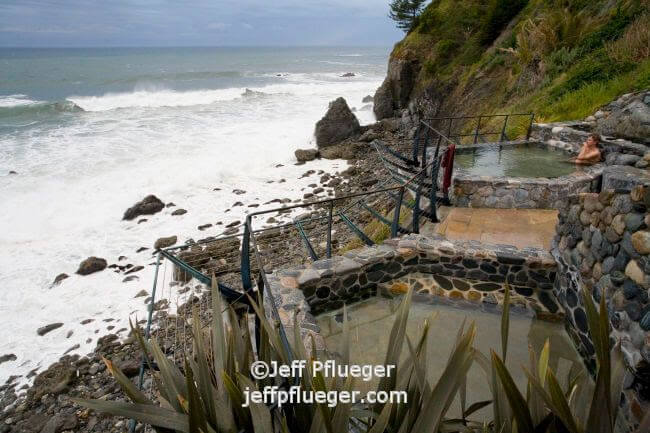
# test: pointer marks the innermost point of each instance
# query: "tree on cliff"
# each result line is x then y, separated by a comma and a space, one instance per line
405, 13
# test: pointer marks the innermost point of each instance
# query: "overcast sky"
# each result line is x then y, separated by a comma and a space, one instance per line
195, 22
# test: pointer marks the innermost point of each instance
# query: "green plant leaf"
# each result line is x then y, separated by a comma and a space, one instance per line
260, 414
517, 402
145, 413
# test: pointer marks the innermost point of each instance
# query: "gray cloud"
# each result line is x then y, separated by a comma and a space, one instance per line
195, 22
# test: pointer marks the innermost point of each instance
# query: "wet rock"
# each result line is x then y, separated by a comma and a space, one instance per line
130, 278
12, 172
338, 124
7, 358
91, 265
179, 212
48, 328
165, 242
204, 226
60, 278
238, 191
141, 249
306, 154
348, 74
147, 206
367, 98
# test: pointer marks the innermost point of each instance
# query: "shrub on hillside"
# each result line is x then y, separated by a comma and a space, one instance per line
634, 45
499, 14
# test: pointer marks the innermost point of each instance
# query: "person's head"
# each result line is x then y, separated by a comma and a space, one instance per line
593, 140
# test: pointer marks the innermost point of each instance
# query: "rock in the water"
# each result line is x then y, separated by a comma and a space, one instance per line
179, 212
348, 74
147, 206
367, 98
306, 154
60, 278
91, 265
338, 124
7, 358
165, 242
12, 172
48, 328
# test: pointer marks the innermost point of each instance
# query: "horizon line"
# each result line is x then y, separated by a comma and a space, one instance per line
193, 46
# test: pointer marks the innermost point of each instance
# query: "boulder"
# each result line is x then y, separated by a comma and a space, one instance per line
348, 74
164, 242
627, 117
59, 278
338, 124
624, 177
367, 98
179, 212
48, 328
304, 155
54, 380
395, 91
91, 265
383, 107
147, 206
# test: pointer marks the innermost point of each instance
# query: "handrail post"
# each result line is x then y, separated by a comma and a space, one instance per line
449, 128
503, 129
147, 333
530, 126
416, 144
478, 126
396, 213
433, 198
329, 230
423, 163
245, 257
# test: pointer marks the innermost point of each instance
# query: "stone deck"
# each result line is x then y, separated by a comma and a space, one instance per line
522, 228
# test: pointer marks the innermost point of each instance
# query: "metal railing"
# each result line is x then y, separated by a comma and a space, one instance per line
476, 134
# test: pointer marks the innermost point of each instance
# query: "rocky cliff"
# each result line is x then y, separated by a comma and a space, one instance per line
562, 59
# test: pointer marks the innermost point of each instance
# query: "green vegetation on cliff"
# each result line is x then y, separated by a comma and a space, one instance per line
561, 59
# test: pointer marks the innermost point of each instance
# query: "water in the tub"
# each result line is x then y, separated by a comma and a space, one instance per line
371, 321
519, 161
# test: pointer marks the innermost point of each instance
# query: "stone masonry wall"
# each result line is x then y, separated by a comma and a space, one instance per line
324, 285
603, 245
520, 193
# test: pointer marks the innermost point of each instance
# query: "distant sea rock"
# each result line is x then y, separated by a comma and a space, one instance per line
338, 124
147, 206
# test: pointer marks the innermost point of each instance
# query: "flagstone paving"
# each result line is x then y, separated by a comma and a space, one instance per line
519, 227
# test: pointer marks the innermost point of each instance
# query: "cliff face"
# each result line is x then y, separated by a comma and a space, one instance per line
562, 59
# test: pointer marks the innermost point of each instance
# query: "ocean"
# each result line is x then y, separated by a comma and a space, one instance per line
86, 133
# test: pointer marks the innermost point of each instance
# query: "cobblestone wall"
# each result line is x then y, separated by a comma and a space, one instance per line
520, 193
324, 285
603, 245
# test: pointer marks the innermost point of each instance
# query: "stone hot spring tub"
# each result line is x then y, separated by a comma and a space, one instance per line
520, 175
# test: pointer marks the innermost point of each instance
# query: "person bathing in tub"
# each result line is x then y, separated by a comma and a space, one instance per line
590, 151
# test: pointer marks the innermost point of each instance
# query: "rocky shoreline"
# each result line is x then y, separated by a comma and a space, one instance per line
46, 405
